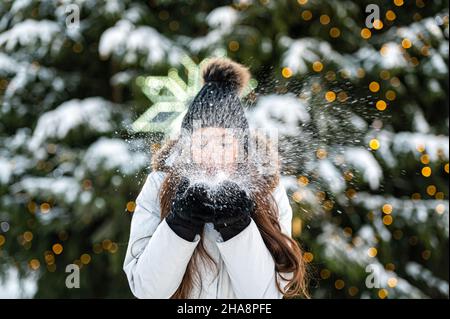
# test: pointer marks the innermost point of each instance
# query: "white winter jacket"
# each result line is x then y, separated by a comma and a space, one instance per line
156, 264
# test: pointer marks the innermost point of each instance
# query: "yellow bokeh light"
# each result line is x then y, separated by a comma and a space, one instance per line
131, 206
321, 153
302, 2
440, 209
348, 176
106, 244
353, 291
57, 249
114, 248
416, 196
382, 293
297, 197
446, 168
439, 195
2, 240
342, 96
330, 96
392, 282
317, 66
286, 72
306, 15
34, 264
420, 148
381, 105
426, 171
296, 226
378, 24
387, 220
425, 51
325, 274
348, 232
32, 207
372, 252
387, 208
328, 205
406, 43
85, 259
384, 51
28, 236
365, 33
49, 258
374, 144
360, 73
391, 95
385, 75
335, 32
233, 46
431, 190
390, 15
303, 180
395, 81
324, 19
398, 3
374, 86
45, 208
339, 284
320, 195
390, 266
308, 257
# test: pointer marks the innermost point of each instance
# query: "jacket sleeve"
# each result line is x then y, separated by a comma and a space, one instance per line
248, 261
156, 257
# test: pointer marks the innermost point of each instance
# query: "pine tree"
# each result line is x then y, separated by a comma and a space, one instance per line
361, 113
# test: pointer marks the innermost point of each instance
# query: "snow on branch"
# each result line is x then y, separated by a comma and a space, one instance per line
300, 53
364, 162
129, 42
392, 145
94, 112
222, 21
418, 272
347, 255
30, 33
114, 154
282, 113
64, 187
412, 211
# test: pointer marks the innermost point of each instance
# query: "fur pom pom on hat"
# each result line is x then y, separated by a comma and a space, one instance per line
228, 72
217, 104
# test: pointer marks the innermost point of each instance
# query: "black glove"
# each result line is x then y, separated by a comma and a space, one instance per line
232, 210
191, 208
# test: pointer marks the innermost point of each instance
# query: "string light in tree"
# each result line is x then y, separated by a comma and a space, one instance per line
381, 105
426, 171
390, 15
286, 72
378, 24
366, 33
374, 144
374, 86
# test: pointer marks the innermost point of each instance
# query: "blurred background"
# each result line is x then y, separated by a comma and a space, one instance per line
88, 89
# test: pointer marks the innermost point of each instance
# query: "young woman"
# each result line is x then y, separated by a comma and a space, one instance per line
212, 220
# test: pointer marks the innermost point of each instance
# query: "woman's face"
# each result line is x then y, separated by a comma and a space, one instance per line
214, 147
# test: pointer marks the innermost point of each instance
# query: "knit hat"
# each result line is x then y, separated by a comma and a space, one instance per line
217, 104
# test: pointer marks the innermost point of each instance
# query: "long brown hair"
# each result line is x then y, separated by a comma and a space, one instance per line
285, 251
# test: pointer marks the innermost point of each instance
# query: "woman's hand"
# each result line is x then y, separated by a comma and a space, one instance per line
190, 210
233, 207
